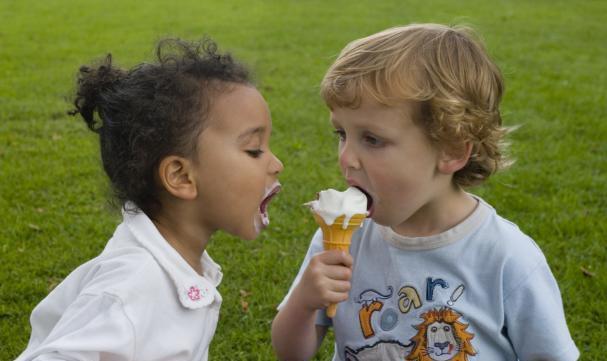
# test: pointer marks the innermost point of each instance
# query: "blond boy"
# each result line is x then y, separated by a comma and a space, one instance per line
436, 273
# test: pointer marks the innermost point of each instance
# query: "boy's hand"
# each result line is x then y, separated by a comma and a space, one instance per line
326, 280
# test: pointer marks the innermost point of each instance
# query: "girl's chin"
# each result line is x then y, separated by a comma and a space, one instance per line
257, 227
256, 224
261, 221
249, 235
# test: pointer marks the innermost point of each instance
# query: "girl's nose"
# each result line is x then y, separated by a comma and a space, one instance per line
347, 157
275, 165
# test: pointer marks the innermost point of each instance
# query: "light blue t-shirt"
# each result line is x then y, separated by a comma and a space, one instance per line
480, 291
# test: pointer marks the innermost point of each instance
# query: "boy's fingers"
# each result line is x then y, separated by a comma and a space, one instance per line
335, 297
340, 286
338, 272
334, 257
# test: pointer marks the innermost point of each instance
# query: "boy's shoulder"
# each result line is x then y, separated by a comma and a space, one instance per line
504, 245
506, 235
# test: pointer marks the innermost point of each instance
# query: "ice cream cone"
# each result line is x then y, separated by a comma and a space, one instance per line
335, 236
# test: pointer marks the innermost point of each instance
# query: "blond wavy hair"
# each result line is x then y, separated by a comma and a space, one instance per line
445, 69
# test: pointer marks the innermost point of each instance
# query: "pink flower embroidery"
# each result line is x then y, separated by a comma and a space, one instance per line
194, 293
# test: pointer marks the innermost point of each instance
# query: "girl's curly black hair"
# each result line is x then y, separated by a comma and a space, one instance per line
152, 110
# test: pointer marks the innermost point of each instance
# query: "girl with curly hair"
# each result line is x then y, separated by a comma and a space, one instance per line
185, 144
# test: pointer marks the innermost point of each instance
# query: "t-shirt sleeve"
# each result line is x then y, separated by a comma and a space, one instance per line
316, 246
93, 327
535, 319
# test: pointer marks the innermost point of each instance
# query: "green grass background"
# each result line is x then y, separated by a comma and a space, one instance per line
53, 209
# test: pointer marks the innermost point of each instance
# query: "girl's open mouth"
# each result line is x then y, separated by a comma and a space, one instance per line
369, 201
263, 207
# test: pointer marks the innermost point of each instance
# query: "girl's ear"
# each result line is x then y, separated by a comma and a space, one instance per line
176, 176
452, 161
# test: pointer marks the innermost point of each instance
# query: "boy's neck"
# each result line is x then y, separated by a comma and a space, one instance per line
440, 214
189, 241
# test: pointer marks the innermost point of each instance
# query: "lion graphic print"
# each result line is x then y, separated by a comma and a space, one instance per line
441, 337
438, 332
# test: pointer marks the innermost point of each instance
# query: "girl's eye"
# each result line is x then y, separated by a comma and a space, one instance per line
340, 134
255, 153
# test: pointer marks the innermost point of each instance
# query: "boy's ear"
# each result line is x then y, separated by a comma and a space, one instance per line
176, 177
452, 161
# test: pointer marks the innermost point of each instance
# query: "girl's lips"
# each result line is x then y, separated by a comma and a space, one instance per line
263, 207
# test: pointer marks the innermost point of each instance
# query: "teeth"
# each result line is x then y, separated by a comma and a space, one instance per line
265, 219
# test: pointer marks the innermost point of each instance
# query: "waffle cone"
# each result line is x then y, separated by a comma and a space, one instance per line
336, 237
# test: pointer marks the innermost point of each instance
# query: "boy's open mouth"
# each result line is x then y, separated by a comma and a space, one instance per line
263, 207
369, 201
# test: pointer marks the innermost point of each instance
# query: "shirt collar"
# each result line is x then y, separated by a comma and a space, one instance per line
463, 229
193, 290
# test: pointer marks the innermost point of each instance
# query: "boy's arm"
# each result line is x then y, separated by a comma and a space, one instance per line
535, 319
326, 280
295, 335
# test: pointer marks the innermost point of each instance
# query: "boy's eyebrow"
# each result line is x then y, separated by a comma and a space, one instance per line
250, 133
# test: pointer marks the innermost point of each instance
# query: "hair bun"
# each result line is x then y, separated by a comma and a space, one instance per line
93, 84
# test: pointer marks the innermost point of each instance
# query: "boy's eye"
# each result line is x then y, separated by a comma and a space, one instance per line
340, 134
373, 141
255, 153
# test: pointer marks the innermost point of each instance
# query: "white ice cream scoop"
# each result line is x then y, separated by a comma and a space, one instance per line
332, 204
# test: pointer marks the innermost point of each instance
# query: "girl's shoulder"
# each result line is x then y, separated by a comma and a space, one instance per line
121, 273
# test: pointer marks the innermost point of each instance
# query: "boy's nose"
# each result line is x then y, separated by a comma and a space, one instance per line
348, 158
275, 165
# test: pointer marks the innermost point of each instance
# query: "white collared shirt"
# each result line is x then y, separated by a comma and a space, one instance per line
138, 300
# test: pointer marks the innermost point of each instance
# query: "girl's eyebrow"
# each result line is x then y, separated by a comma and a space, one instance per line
247, 134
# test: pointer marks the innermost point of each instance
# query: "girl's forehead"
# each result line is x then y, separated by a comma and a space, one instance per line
241, 113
